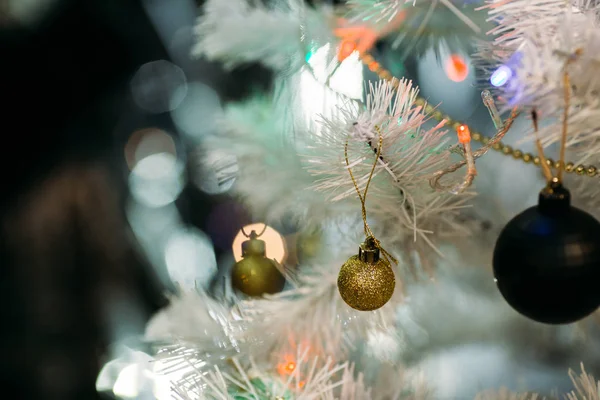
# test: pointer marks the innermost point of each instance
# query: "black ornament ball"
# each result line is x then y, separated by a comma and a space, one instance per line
547, 260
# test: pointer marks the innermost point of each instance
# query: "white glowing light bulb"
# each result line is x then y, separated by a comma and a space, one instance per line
501, 76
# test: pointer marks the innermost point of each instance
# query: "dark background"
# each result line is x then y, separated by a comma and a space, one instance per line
65, 247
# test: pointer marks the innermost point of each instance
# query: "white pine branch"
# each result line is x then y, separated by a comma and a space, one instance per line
235, 32
190, 310
536, 48
538, 82
518, 21
426, 23
505, 394
586, 386
399, 195
306, 378
271, 178
514, 20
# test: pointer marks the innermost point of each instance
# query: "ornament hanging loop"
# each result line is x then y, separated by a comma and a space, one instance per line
253, 234
565, 126
371, 242
368, 251
563, 137
253, 246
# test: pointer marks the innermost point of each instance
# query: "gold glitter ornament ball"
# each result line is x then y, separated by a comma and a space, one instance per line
255, 274
366, 282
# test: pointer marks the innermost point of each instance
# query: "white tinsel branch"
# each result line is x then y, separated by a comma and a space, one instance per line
516, 20
235, 32
538, 81
586, 386
513, 20
271, 178
505, 394
189, 311
299, 377
400, 193
416, 26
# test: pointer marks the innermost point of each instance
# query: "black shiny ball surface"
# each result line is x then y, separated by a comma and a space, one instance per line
547, 260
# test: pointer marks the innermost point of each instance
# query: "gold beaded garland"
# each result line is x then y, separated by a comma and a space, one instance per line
384, 74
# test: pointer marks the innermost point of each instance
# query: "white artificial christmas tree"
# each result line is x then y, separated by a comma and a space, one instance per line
446, 333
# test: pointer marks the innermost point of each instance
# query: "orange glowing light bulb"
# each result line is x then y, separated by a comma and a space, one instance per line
347, 47
287, 367
464, 134
456, 68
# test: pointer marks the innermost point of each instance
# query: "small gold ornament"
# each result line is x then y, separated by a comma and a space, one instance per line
255, 274
366, 281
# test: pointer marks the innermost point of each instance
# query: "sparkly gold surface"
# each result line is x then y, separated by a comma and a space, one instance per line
255, 275
587, 170
364, 286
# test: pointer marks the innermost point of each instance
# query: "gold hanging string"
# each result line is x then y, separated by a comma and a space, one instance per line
563, 138
560, 165
434, 182
540, 148
363, 199
258, 234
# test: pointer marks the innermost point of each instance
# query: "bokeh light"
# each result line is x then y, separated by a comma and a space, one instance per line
159, 86
24, 12
157, 180
459, 99
157, 174
501, 76
128, 382
196, 115
128, 375
275, 244
322, 84
345, 77
190, 259
146, 142
456, 67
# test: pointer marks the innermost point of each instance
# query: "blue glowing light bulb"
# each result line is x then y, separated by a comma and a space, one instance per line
501, 76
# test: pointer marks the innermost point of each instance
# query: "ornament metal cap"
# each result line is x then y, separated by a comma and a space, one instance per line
253, 246
554, 199
368, 251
